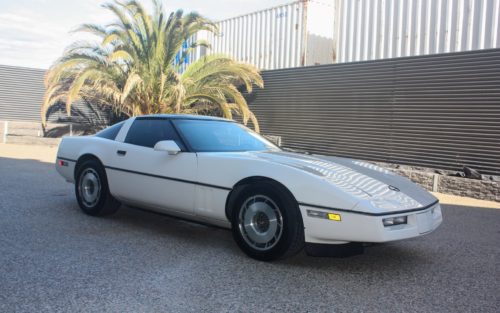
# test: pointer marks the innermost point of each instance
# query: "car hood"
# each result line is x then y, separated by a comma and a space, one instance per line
384, 190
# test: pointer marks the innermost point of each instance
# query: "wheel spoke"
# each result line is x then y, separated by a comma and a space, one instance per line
260, 222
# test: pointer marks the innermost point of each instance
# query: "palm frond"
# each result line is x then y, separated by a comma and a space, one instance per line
132, 67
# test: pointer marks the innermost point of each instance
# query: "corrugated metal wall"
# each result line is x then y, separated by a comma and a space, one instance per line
21, 93
378, 29
440, 111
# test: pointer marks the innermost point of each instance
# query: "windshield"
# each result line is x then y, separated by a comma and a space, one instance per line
221, 136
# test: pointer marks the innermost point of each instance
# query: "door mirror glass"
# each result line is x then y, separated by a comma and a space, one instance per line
168, 146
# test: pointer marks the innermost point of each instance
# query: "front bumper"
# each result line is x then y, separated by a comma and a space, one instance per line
356, 227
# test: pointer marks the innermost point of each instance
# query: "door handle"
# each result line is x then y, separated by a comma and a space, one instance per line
121, 152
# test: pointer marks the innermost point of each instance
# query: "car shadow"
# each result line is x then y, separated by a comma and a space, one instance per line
385, 257
55, 198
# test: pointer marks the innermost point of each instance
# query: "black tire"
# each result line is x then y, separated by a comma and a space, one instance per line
273, 201
91, 189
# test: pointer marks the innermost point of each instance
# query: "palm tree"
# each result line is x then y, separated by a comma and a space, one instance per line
135, 67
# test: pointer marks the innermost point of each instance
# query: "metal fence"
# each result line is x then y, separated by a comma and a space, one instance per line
440, 111
21, 93
21, 96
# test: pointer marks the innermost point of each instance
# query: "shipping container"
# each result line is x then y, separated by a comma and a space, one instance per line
313, 32
379, 29
186, 55
289, 35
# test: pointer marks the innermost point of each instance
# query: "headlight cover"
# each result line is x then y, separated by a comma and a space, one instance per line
397, 220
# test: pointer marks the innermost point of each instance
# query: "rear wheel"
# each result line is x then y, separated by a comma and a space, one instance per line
266, 222
91, 189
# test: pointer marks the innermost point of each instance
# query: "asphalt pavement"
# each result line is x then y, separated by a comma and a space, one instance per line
53, 258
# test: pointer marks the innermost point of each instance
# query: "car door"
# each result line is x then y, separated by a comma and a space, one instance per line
142, 176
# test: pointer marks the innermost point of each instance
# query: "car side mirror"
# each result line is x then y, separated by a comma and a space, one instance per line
168, 146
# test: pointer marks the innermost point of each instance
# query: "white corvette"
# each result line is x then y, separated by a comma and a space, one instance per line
219, 172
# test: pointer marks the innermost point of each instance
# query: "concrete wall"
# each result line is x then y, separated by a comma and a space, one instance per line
459, 186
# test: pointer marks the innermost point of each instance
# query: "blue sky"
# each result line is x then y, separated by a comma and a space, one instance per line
34, 33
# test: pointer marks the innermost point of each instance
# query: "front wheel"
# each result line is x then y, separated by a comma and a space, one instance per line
91, 189
266, 222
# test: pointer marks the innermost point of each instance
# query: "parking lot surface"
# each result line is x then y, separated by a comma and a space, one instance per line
55, 258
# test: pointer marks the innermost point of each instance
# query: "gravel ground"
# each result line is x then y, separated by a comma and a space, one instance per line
54, 258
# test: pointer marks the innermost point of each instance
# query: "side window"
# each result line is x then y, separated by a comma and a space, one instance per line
110, 132
147, 132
